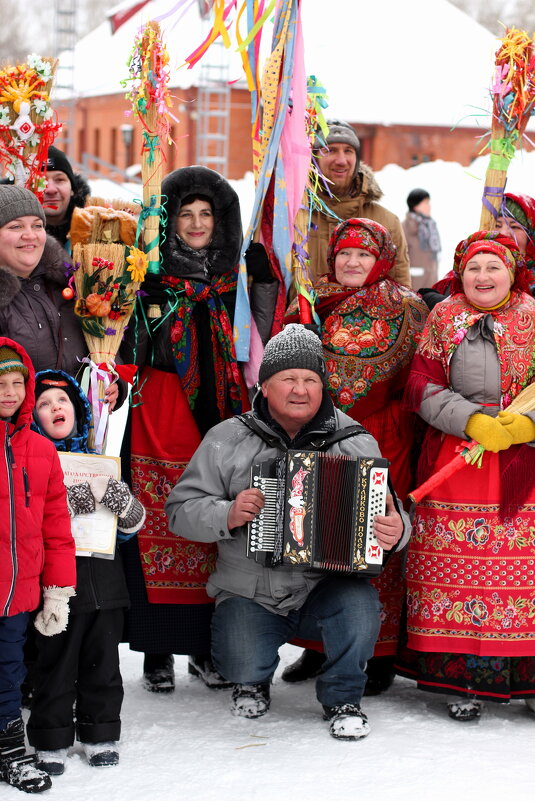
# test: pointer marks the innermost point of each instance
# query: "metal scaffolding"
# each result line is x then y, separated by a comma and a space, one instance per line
213, 109
65, 37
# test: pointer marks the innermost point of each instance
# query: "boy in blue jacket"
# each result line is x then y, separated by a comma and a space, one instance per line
82, 666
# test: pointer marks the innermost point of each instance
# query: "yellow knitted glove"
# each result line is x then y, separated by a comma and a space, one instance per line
519, 426
489, 432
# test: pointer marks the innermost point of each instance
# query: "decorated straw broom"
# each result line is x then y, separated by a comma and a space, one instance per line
28, 125
472, 452
151, 103
513, 94
108, 271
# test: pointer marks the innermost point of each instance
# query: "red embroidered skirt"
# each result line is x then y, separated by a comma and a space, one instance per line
471, 576
392, 430
164, 437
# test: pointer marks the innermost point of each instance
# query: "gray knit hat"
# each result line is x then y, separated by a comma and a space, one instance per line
294, 347
15, 201
340, 131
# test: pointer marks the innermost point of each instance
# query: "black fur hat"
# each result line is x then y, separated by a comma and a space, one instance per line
223, 252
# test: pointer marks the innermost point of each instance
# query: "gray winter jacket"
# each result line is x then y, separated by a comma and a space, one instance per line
474, 381
198, 509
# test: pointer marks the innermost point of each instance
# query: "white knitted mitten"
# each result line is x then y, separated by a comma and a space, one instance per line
54, 616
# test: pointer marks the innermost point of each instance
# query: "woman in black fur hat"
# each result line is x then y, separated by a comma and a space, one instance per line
190, 381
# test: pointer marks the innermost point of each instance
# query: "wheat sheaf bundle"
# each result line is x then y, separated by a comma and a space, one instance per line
108, 271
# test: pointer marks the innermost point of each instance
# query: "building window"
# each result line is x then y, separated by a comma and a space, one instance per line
113, 147
96, 147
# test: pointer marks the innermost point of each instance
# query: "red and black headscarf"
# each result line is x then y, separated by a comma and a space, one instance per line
490, 242
359, 232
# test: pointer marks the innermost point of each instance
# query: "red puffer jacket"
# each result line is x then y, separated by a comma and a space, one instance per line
36, 544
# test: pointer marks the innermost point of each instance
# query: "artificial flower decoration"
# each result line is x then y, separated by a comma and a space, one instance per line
138, 263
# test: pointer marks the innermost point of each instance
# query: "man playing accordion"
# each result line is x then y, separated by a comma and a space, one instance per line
258, 608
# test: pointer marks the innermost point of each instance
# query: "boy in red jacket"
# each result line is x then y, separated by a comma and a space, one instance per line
36, 554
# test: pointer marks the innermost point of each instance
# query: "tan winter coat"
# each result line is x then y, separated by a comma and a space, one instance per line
363, 204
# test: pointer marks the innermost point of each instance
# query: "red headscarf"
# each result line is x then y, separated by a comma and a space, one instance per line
490, 242
524, 213
359, 232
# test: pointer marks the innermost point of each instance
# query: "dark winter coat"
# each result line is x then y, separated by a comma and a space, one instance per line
36, 544
34, 313
100, 583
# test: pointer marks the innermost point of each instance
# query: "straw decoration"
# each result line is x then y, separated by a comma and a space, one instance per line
28, 125
513, 93
106, 277
316, 129
151, 103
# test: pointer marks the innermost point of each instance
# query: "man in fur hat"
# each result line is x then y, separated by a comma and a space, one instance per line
351, 191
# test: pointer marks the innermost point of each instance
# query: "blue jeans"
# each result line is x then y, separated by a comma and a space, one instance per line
341, 612
12, 669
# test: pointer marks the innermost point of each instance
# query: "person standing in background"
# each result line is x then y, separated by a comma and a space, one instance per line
423, 239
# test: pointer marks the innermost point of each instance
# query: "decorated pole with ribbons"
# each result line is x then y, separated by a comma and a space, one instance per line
281, 148
513, 93
151, 104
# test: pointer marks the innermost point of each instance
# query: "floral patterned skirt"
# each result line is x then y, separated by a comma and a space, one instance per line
471, 575
164, 437
492, 678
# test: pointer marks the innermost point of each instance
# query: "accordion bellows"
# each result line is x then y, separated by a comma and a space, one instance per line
319, 512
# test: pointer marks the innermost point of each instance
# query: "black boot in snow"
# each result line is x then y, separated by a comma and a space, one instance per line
203, 668
159, 673
18, 768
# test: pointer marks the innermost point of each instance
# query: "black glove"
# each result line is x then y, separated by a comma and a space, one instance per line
80, 500
154, 290
257, 263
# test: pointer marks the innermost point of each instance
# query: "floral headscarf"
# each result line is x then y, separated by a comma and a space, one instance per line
490, 242
359, 232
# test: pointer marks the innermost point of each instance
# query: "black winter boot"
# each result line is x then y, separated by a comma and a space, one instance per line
159, 673
18, 768
203, 668
308, 666
250, 700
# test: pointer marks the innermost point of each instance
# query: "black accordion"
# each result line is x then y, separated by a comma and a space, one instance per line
319, 511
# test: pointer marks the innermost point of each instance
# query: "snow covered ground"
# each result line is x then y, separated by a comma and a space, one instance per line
188, 746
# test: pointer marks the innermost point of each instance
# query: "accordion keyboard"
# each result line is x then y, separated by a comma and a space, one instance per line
263, 529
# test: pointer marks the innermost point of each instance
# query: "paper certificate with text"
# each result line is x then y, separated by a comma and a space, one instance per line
95, 533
